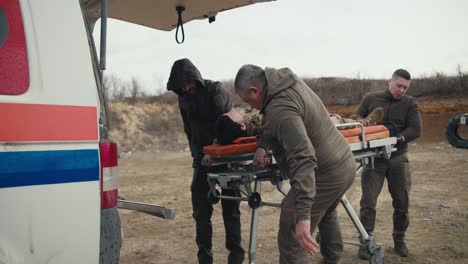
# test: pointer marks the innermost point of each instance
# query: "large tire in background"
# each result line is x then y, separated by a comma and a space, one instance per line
451, 133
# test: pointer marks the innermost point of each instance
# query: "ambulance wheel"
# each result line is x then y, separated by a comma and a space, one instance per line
255, 200
452, 135
214, 199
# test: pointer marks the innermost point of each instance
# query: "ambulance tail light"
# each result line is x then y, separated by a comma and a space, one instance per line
109, 177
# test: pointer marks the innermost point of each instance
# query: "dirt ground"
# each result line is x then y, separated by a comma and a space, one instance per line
438, 231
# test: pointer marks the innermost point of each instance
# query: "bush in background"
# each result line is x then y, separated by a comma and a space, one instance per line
153, 122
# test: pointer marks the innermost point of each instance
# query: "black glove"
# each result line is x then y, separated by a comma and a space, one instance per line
392, 128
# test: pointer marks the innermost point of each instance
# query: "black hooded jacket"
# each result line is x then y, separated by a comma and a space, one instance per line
200, 111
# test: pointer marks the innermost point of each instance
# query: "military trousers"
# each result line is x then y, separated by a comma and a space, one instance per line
397, 172
202, 211
331, 185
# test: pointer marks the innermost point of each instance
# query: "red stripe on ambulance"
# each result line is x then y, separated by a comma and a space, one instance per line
39, 122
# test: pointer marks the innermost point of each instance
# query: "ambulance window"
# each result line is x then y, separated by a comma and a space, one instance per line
14, 68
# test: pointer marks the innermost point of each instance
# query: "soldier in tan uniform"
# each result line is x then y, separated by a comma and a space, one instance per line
310, 150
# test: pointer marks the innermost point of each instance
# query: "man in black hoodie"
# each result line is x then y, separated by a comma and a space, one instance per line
401, 113
201, 102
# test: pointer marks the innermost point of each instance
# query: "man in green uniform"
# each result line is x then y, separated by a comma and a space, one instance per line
401, 113
310, 150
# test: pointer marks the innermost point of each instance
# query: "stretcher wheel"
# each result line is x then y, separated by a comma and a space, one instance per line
214, 199
255, 200
377, 257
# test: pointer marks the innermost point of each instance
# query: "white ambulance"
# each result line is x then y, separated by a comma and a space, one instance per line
58, 169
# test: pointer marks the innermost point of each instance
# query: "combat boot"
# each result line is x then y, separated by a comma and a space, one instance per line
375, 117
401, 249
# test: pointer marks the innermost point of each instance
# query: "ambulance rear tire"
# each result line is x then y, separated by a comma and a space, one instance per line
452, 135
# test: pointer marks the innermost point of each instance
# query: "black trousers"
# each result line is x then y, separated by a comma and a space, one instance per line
397, 172
202, 211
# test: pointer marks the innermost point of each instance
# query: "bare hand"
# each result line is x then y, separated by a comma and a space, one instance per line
261, 159
304, 237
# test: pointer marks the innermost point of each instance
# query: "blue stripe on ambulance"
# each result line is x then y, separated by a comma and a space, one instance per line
48, 167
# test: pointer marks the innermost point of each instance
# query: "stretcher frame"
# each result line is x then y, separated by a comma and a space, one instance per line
241, 174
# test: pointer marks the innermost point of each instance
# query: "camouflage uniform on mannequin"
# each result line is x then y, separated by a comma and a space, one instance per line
374, 118
240, 122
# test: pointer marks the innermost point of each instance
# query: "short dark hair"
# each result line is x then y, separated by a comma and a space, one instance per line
227, 130
401, 73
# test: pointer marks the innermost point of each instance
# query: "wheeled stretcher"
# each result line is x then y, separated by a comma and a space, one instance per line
366, 143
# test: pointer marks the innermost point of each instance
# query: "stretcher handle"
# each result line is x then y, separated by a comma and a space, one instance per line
151, 209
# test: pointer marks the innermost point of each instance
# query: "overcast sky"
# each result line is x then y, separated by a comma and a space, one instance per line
365, 38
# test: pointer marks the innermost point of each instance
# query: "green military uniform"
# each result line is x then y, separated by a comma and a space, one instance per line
253, 122
405, 118
314, 155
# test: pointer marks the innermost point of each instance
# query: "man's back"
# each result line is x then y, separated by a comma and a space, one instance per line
330, 146
310, 150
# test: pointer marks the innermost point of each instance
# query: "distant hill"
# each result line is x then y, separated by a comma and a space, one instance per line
153, 123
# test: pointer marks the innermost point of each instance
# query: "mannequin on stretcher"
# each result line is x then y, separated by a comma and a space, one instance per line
237, 130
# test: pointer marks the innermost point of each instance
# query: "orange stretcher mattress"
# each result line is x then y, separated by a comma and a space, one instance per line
371, 132
249, 144
239, 146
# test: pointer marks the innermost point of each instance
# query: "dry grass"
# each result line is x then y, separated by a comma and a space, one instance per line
344, 91
153, 123
149, 127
